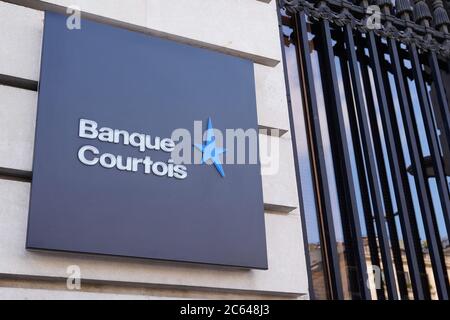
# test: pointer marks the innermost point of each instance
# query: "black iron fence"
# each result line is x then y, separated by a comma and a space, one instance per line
369, 95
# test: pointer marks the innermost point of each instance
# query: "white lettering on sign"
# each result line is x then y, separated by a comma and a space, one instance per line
91, 156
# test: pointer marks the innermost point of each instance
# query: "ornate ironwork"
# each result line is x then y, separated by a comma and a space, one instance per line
434, 38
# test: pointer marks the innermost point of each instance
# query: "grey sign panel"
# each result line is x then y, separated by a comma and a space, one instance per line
138, 83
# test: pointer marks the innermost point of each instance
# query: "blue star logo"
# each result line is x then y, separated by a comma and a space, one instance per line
209, 149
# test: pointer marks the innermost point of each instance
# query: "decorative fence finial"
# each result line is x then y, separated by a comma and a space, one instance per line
417, 30
440, 14
402, 7
422, 12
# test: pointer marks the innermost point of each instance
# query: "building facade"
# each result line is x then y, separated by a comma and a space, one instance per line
353, 119
224, 26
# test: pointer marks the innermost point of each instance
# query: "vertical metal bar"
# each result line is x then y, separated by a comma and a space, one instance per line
441, 180
292, 122
404, 206
343, 169
445, 114
378, 208
422, 188
383, 175
441, 98
320, 180
359, 159
404, 176
430, 129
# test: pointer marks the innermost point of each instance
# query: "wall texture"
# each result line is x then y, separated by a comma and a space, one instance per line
245, 28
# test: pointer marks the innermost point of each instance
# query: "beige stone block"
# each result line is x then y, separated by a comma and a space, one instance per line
278, 173
43, 294
17, 127
271, 98
286, 272
20, 38
242, 28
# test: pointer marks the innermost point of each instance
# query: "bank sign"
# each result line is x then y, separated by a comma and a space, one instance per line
104, 177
